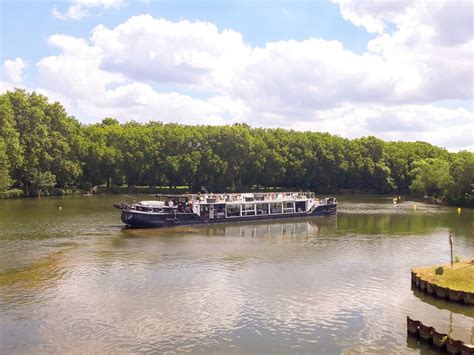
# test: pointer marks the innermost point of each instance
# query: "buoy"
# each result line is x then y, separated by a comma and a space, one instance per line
459, 210
414, 206
60, 208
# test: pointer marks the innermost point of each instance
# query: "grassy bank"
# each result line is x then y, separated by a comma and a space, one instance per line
460, 277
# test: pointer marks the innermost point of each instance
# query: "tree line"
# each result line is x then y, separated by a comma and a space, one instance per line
43, 148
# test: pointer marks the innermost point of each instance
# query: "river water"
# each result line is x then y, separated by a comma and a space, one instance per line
73, 280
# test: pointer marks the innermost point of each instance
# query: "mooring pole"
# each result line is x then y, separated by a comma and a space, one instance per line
451, 246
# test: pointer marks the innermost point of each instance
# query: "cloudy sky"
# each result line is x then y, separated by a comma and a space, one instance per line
399, 69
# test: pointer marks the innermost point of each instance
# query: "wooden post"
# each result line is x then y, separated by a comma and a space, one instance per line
451, 246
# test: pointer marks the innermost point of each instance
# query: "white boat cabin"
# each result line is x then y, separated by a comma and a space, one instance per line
217, 206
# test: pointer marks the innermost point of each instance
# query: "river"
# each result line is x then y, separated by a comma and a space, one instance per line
73, 280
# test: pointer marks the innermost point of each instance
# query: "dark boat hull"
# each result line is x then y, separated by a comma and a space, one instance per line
138, 219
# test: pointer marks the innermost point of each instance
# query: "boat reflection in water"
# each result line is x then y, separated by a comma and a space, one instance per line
297, 228
312, 226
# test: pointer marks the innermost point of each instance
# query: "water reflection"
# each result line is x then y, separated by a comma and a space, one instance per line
400, 224
299, 227
422, 348
443, 304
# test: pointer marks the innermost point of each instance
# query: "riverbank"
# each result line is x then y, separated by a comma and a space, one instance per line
459, 278
146, 190
17, 193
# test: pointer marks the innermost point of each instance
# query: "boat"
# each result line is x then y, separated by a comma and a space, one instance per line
175, 210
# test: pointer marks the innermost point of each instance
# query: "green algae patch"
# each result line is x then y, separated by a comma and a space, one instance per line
459, 278
40, 271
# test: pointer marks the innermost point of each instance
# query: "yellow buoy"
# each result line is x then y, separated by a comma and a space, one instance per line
414, 206
459, 210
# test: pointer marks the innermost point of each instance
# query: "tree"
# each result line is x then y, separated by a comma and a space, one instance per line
431, 177
5, 180
462, 172
41, 141
10, 134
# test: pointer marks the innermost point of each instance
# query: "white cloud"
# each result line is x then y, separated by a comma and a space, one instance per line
76, 79
80, 8
76, 71
449, 22
372, 15
145, 68
184, 52
13, 70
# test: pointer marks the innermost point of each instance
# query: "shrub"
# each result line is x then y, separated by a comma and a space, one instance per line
14, 193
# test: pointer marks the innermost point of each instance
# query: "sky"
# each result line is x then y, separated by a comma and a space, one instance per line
397, 70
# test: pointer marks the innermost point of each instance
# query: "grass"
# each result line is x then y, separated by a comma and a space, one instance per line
460, 277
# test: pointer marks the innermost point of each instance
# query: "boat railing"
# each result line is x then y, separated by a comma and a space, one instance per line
252, 197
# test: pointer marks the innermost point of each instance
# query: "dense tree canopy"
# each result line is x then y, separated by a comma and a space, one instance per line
41, 148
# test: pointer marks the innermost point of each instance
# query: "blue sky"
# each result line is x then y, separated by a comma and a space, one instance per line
390, 69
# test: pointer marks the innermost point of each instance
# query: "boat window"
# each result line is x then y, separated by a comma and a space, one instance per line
233, 210
288, 207
300, 206
275, 208
262, 208
219, 211
248, 209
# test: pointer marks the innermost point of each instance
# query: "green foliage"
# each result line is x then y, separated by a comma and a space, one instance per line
14, 193
431, 177
9, 133
41, 142
462, 172
43, 150
5, 180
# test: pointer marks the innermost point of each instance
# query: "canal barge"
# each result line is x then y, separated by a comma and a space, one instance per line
174, 210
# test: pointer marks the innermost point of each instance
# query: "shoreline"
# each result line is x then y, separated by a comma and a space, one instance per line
447, 283
121, 190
